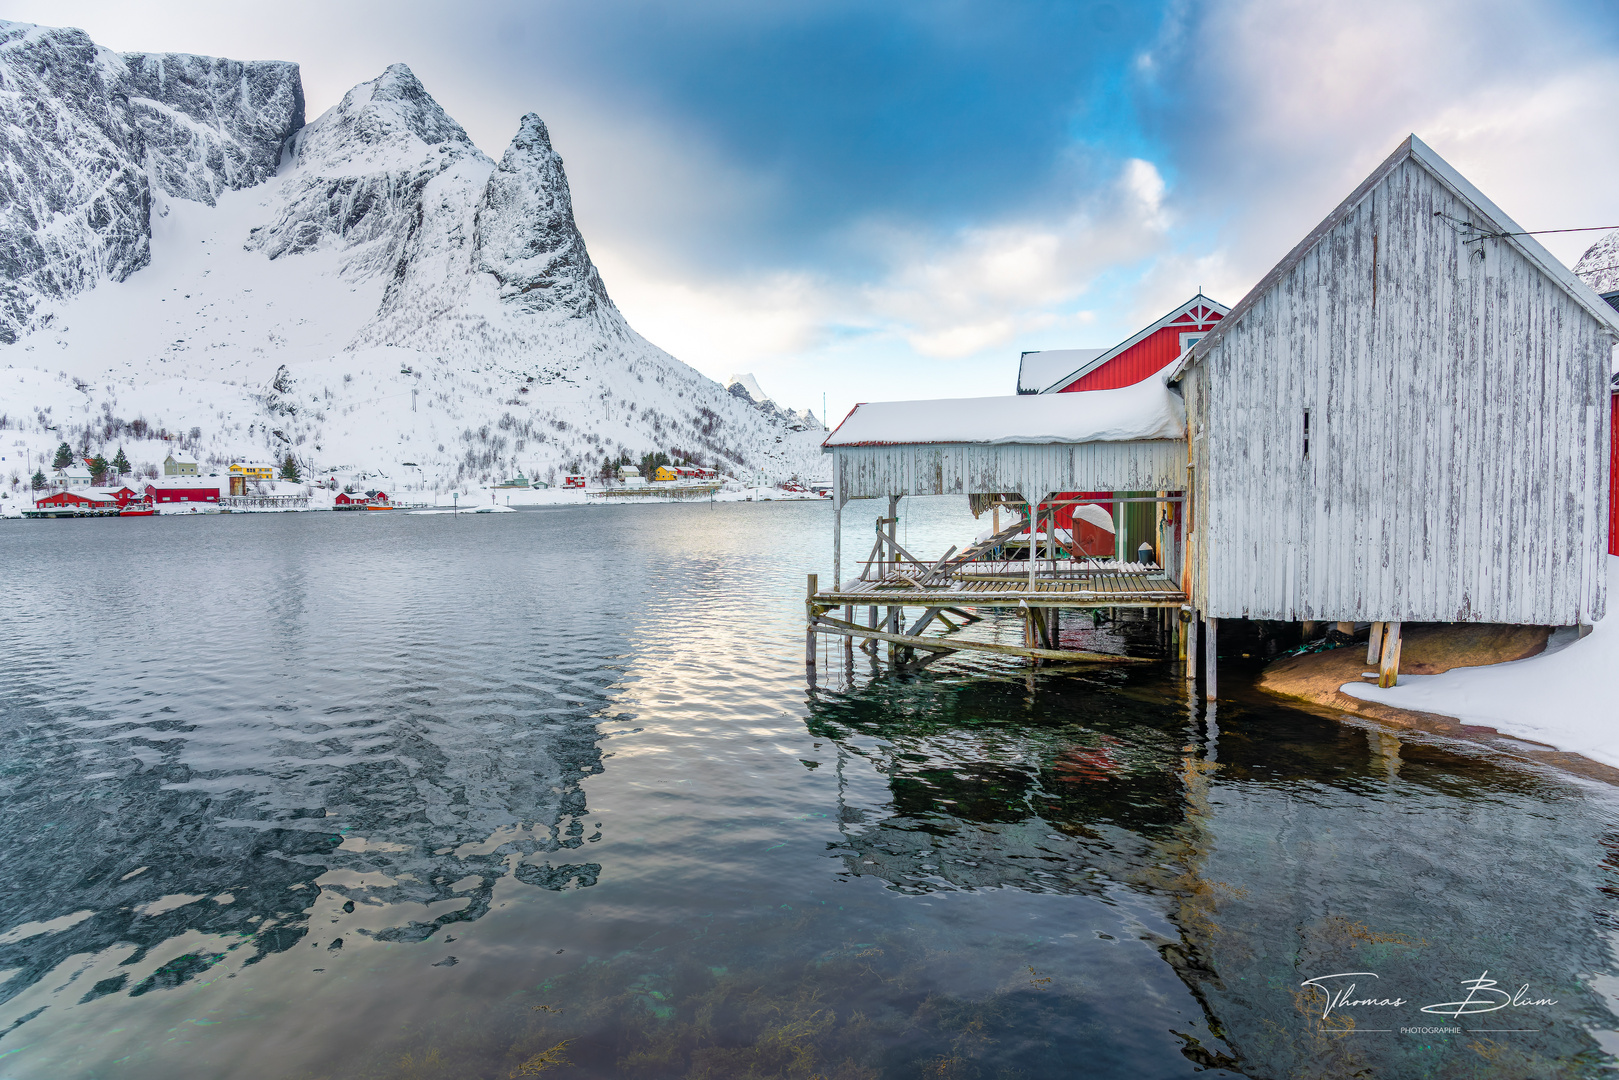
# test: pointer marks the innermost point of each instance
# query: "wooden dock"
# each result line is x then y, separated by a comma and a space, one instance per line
949, 592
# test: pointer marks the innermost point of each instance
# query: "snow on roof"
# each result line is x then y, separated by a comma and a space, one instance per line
183, 482
1486, 213
1146, 410
183, 459
1038, 370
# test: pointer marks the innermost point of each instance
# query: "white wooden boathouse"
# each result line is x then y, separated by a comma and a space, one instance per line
1405, 420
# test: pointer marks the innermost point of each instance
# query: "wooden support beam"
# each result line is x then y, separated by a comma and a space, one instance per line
1347, 629
921, 623
835, 626
1388, 669
1310, 627
1374, 644
1211, 655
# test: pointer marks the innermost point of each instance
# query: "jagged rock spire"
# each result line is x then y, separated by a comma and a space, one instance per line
526, 236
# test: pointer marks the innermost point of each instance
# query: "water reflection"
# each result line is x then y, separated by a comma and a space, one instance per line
1286, 846
462, 808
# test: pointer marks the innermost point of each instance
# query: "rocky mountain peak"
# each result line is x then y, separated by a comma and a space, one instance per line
526, 236
1599, 266
385, 124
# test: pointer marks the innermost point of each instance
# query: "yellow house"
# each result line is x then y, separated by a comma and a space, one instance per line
664, 473
253, 471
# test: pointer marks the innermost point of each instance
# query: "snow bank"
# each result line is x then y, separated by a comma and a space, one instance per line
1568, 696
1147, 410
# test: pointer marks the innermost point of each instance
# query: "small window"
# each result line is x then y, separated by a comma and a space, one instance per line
1306, 434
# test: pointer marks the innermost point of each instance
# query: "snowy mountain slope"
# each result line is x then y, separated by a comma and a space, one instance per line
387, 293
86, 135
1599, 266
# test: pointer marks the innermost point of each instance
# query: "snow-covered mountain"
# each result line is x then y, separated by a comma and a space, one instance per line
183, 254
747, 388
1599, 266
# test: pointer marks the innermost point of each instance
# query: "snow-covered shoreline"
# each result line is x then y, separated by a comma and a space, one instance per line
1566, 697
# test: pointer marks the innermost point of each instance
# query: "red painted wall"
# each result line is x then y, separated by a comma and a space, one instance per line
181, 494
64, 498
1152, 353
1613, 476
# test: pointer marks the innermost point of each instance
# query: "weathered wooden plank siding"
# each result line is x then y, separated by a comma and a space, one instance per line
870, 472
1454, 473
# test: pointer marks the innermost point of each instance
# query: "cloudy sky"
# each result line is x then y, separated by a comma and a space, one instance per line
895, 199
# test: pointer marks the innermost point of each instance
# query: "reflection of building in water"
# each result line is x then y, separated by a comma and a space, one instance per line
978, 806
394, 828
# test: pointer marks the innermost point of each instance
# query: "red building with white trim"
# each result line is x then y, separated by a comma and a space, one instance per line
1138, 357
181, 490
1151, 349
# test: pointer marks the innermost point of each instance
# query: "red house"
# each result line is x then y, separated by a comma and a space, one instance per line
65, 498
1062, 371
187, 490
1151, 349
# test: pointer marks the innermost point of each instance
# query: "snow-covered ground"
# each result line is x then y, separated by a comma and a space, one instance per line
1567, 697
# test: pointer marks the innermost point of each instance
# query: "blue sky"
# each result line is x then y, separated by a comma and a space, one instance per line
893, 200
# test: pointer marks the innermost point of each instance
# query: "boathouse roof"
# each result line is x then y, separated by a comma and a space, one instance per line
1146, 410
1488, 221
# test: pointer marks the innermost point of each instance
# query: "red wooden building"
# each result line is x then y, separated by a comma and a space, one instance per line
1151, 349
188, 490
66, 499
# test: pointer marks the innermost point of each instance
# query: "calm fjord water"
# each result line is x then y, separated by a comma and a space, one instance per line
330, 795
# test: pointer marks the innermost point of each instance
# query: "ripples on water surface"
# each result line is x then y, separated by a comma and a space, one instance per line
384, 796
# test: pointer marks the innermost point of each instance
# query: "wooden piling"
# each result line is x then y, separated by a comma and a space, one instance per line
809, 631
1210, 658
1388, 670
1192, 637
1374, 644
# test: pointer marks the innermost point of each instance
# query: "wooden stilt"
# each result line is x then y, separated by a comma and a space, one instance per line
848, 643
1192, 636
1374, 644
1210, 658
1388, 670
1309, 629
809, 632
1347, 629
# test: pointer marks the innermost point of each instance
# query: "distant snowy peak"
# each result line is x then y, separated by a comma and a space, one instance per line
1599, 266
746, 387
526, 235
85, 133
